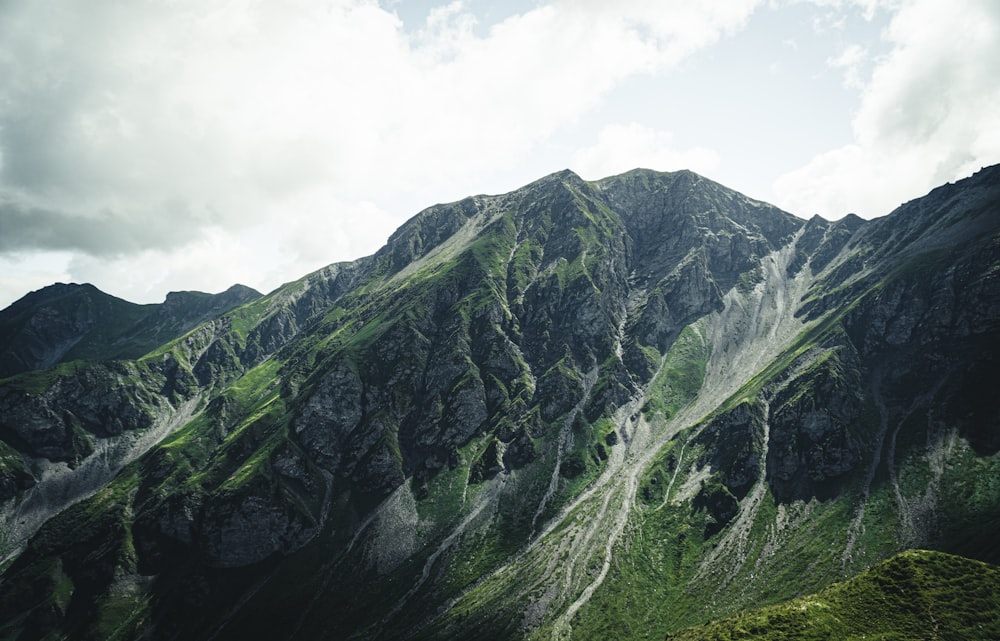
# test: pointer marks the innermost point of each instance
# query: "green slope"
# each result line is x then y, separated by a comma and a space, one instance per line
917, 595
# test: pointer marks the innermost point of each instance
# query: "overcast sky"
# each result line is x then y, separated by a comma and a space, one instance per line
192, 144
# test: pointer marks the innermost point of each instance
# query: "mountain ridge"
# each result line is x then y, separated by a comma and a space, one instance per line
527, 415
65, 322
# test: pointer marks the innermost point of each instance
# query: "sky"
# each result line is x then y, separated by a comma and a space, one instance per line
148, 147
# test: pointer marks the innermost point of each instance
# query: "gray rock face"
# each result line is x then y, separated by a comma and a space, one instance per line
178, 518
226, 531
330, 415
99, 400
12, 482
250, 529
733, 444
811, 438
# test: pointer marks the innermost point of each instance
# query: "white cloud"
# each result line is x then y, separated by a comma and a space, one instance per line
263, 256
23, 273
868, 8
851, 60
165, 129
189, 103
928, 115
621, 147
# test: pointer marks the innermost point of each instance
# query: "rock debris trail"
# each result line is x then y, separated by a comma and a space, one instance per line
732, 549
563, 446
617, 518
906, 524
883, 426
326, 569
910, 530
557, 573
471, 229
61, 486
488, 498
905, 521
673, 478
752, 329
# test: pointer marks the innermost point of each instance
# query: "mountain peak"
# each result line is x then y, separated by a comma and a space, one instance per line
52, 292
562, 174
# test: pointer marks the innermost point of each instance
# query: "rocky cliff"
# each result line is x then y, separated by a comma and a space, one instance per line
580, 409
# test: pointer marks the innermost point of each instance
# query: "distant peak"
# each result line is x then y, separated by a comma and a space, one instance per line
562, 175
61, 288
644, 174
235, 291
239, 288
53, 292
183, 294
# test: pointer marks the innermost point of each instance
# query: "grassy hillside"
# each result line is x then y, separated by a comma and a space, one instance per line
916, 595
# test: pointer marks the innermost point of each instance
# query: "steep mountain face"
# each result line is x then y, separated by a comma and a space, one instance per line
601, 409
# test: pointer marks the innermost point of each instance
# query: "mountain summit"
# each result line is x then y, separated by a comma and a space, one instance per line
604, 409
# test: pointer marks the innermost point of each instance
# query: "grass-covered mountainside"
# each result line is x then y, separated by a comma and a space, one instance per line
580, 410
914, 596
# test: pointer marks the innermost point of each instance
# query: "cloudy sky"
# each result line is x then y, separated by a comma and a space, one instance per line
193, 144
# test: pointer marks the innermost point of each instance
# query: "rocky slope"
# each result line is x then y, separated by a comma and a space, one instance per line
577, 410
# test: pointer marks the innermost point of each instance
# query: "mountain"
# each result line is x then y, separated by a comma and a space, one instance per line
606, 409
65, 322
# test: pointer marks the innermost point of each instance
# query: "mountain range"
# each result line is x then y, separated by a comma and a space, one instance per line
580, 410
